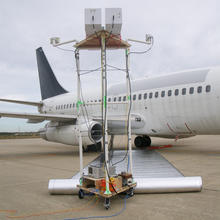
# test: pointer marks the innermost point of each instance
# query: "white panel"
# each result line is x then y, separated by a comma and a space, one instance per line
113, 20
93, 20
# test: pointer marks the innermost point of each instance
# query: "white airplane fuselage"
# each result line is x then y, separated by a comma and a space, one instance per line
180, 105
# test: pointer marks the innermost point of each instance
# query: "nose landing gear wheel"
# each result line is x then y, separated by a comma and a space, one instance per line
107, 203
81, 194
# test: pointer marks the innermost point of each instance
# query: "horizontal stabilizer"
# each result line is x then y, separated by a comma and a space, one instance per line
34, 118
22, 102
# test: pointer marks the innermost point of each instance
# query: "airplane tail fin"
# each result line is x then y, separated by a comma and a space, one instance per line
49, 85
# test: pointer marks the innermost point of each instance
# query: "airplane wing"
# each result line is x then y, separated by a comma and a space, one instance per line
22, 102
37, 118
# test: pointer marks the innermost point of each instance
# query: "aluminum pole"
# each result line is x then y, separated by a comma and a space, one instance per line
130, 164
104, 110
78, 112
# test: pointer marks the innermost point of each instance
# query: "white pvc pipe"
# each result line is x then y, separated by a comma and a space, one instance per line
144, 185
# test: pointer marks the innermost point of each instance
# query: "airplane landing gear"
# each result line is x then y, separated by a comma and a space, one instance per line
142, 141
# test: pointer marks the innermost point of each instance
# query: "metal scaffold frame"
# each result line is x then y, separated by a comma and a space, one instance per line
82, 45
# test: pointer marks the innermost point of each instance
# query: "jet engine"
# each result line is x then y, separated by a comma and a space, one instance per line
68, 134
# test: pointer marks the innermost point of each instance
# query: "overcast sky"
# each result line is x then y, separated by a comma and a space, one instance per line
186, 35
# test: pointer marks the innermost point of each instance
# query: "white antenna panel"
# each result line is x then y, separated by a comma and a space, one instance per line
113, 20
93, 20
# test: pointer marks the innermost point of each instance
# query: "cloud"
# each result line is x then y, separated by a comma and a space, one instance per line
186, 35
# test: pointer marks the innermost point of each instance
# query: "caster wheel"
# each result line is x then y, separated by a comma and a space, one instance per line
81, 194
107, 203
130, 192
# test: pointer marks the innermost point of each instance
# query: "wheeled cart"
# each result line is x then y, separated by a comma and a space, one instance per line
91, 185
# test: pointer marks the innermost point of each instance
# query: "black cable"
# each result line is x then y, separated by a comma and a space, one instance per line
116, 68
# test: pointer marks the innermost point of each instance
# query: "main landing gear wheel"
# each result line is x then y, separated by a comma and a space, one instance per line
107, 203
81, 194
142, 141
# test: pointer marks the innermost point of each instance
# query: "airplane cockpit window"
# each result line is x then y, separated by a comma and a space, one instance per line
191, 90
124, 98
156, 94
176, 92
114, 99
199, 89
208, 88
139, 96
150, 95
145, 95
169, 92
134, 97
184, 91
162, 93
119, 98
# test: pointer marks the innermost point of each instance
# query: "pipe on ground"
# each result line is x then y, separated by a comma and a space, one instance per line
144, 185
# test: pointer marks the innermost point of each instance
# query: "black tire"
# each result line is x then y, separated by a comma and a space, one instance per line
142, 141
130, 192
146, 141
138, 141
81, 194
107, 203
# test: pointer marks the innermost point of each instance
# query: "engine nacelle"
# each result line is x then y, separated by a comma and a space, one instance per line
68, 134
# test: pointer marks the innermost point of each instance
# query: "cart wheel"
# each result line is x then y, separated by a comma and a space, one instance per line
81, 194
107, 203
130, 192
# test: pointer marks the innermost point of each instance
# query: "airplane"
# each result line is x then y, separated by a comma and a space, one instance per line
176, 105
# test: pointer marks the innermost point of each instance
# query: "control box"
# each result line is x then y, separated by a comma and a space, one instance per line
113, 20
93, 20
99, 172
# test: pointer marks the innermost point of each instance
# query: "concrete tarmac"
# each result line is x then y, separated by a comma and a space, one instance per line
27, 165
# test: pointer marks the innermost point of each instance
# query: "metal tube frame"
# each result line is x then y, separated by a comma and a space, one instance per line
104, 109
130, 164
78, 112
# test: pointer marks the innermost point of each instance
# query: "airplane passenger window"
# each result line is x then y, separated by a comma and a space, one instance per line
208, 88
61, 106
67, 106
191, 90
134, 97
145, 95
73, 105
70, 105
176, 92
114, 99
150, 95
109, 99
156, 94
124, 98
199, 89
64, 106
139, 96
162, 93
119, 98
169, 92
184, 91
